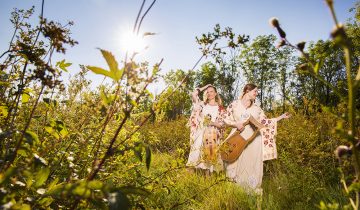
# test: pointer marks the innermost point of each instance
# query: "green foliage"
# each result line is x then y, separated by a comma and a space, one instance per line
175, 100
268, 67
169, 136
351, 70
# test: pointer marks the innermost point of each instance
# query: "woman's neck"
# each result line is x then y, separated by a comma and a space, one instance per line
212, 102
246, 102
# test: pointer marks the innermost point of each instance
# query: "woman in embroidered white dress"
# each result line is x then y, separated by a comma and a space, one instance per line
247, 170
206, 115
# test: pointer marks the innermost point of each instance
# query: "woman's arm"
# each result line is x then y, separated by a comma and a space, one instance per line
229, 119
286, 115
197, 91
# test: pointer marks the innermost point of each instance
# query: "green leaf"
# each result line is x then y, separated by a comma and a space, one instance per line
41, 177
4, 111
57, 189
29, 178
53, 183
133, 190
110, 60
62, 65
95, 185
26, 95
21, 206
22, 152
105, 98
318, 65
82, 191
5, 176
32, 138
118, 200
49, 129
45, 201
354, 187
138, 151
98, 70
147, 157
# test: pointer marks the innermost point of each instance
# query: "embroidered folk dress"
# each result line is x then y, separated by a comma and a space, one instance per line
247, 170
197, 128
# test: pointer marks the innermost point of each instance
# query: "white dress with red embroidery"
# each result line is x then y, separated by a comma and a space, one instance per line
247, 170
200, 110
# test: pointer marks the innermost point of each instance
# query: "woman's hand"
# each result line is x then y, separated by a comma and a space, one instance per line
215, 124
286, 115
239, 126
205, 87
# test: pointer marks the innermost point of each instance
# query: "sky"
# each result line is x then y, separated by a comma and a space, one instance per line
103, 23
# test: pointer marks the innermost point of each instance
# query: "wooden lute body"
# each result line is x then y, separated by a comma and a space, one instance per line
234, 144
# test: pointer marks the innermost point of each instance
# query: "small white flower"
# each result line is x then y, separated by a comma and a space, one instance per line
20, 183
3, 190
29, 199
70, 158
7, 205
41, 191
42, 160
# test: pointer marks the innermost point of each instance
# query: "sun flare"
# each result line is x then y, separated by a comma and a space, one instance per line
132, 43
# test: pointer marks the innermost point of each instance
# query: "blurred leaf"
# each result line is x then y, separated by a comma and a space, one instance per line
49, 129
22, 152
318, 66
29, 178
133, 190
57, 189
26, 95
149, 34
147, 157
21, 207
82, 191
4, 111
53, 183
32, 138
95, 185
47, 100
107, 100
8, 173
45, 201
41, 176
118, 200
138, 151
354, 187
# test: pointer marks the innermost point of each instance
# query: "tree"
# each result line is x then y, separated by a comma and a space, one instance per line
268, 67
178, 98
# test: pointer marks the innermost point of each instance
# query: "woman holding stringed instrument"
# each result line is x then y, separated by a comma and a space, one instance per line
206, 122
247, 169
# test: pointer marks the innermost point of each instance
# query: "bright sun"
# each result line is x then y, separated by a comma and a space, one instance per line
132, 43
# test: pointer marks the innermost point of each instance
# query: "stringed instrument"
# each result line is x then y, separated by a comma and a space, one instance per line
210, 147
234, 145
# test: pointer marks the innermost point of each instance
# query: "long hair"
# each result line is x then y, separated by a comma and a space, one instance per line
217, 97
248, 87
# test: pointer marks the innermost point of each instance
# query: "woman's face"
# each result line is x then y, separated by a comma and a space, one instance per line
210, 93
253, 93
